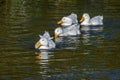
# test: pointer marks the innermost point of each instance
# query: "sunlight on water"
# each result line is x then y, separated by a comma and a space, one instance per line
93, 55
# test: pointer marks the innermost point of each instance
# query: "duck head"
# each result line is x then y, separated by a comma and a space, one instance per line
85, 18
68, 20
57, 32
65, 21
42, 42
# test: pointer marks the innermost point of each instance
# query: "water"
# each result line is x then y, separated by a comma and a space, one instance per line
94, 55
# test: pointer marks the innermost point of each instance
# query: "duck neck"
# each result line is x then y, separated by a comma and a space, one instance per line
44, 47
86, 22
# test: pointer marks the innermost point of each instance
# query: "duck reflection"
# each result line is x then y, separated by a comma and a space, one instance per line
70, 42
91, 34
88, 28
84, 28
43, 56
97, 28
86, 39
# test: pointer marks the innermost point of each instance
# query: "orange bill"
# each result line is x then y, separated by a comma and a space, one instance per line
38, 57
60, 22
56, 36
82, 19
38, 44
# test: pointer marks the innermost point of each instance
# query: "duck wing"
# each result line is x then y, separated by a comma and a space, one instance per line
51, 44
73, 16
46, 34
97, 20
71, 30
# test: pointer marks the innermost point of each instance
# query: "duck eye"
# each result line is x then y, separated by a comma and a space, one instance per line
85, 15
57, 30
42, 39
64, 19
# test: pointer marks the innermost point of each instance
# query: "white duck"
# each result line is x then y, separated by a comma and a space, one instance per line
97, 20
68, 31
45, 42
68, 20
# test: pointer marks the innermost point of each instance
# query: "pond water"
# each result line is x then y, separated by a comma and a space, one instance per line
94, 55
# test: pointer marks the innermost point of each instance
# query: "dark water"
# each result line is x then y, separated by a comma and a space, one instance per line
94, 55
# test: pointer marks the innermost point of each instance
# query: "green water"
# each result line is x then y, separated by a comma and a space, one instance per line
94, 55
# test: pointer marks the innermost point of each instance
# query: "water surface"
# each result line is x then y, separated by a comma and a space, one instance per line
94, 55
